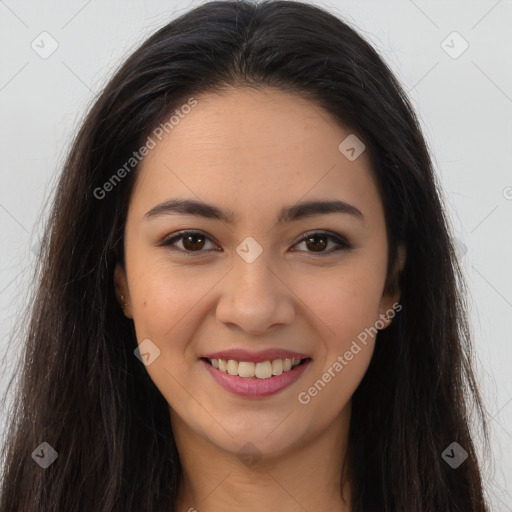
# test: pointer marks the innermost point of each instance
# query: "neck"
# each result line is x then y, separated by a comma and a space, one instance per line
306, 477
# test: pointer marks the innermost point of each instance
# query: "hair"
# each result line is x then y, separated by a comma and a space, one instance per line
80, 387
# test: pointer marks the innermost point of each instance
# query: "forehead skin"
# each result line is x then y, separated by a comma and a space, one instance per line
245, 149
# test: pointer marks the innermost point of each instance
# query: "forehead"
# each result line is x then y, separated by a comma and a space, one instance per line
246, 149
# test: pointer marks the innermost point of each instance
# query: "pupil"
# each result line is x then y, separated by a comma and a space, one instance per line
187, 240
316, 245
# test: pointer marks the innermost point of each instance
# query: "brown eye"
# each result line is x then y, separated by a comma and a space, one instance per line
316, 242
192, 241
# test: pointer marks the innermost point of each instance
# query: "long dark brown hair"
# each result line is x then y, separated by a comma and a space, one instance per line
80, 387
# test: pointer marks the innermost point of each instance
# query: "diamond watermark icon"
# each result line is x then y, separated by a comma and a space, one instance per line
351, 147
36, 248
460, 247
249, 454
44, 455
454, 45
147, 352
44, 45
454, 455
249, 249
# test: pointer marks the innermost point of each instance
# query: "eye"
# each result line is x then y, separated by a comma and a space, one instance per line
319, 240
194, 241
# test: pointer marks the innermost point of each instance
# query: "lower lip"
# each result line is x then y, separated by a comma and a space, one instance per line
256, 388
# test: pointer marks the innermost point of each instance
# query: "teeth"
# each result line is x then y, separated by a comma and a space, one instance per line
277, 367
246, 369
232, 367
262, 370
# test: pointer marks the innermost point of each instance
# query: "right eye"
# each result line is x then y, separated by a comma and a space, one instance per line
192, 241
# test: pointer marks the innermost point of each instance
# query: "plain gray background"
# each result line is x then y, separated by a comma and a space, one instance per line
463, 100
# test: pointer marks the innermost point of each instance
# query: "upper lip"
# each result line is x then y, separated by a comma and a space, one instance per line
239, 354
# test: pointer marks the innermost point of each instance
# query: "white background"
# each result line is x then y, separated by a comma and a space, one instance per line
464, 104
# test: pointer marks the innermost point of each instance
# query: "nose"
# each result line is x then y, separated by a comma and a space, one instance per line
255, 297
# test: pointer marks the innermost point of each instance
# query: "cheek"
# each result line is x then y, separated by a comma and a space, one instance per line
157, 298
161, 303
347, 308
329, 392
344, 304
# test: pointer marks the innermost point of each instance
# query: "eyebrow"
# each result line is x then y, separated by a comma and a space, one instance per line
287, 214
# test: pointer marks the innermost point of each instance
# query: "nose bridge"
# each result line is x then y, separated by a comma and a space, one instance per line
255, 275
254, 278
256, 298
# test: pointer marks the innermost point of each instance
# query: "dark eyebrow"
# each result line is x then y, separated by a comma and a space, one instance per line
287, 214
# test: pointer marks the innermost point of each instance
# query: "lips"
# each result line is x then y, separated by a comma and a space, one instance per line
268, 378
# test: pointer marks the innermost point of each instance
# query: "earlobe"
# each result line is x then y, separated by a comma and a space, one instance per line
399, 267
390, 302
122, 292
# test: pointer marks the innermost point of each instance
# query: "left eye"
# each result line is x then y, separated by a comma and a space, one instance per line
194, 241
324, 237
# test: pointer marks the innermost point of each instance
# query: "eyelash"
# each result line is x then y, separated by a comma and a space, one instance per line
343, 244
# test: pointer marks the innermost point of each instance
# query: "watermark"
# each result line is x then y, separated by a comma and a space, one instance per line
460, 247
454, 45
351, 147
249, 249
44, 455
249, 454
454, 455
137, 156
304, 397
44, 45
147, 352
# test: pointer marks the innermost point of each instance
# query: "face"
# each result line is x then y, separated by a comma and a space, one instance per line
257, 286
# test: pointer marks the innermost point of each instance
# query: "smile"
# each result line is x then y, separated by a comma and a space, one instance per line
255, 379
261, 370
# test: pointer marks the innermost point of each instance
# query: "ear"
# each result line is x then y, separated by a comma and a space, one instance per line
389, 303
122, 292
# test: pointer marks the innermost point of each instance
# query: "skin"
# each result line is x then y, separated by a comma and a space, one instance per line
255, 152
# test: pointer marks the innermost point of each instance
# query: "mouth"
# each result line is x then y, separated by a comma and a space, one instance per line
256, 379
259, 370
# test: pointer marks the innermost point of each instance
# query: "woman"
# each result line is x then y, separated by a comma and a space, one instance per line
249, 298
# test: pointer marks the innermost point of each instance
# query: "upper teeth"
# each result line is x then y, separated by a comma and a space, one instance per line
263, 370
